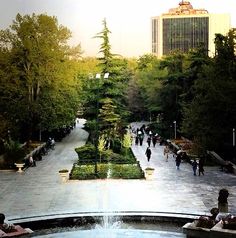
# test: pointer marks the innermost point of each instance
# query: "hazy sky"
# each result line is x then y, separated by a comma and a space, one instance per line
128, 20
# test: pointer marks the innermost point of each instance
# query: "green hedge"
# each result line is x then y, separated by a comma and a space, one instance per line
87, 154
117, 171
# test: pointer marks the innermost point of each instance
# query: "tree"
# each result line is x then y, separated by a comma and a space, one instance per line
101, 145
146, 77
40, 90
172, 88
108, 94
127, 142
136, 102
108, 119
114, 86
211, 115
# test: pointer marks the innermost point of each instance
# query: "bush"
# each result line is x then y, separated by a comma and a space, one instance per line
86, 153
110, 156
82, 172
117, 171
126, 171
14, 153
116, 145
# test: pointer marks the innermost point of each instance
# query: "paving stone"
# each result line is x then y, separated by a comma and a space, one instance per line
39, 191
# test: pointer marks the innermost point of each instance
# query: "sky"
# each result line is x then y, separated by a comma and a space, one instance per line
128, 20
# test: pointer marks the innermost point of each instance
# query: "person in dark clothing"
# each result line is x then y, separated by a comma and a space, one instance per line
149, 141
148, 153
141, 137
223, 200
200, 167
154, 140
194, 165
178, 161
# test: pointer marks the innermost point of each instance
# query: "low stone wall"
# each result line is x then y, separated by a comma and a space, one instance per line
221, 161
217, 231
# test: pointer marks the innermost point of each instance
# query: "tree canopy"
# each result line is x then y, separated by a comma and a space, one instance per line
39, 90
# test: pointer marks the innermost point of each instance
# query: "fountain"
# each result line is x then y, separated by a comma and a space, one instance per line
107, 224
98, 225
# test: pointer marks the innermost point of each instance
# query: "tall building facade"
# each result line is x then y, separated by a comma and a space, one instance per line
184, 28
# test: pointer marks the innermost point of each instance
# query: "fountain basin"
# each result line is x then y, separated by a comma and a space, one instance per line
115, 234
130, 224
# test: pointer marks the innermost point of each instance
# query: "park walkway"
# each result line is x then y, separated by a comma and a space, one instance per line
38, 191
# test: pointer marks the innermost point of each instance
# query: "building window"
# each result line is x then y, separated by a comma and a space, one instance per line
184, 33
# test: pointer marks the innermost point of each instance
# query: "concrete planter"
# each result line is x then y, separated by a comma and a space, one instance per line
19, 166
64, 174
149, 173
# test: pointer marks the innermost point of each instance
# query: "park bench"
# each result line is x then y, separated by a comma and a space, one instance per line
227, 166
173, 147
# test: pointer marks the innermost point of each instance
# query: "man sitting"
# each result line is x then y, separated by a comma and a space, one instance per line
10, 230
32, 162
6, 227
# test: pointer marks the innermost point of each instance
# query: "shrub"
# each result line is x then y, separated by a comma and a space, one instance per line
14, 152
82, 172
116, 145
118, 171
86, 153
126, 171
123, 158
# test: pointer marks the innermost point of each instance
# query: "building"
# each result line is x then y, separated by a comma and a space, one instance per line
184, 28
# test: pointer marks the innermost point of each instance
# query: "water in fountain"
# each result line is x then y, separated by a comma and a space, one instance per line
108, 222
109, 171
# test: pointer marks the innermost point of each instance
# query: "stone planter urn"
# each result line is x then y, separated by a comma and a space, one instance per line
19, 166
149, 173
64, 174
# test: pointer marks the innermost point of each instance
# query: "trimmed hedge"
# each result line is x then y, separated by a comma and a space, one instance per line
87, 154
115, 171
109, 164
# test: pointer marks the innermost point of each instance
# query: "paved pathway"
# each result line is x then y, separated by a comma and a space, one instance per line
39, 191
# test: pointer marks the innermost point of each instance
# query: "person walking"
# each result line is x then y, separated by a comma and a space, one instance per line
148, 153
166, 152
141, 137
150, 133
178, 161
154, 140
201, 167
194, 165
149, 141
